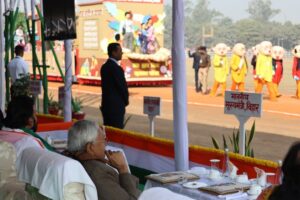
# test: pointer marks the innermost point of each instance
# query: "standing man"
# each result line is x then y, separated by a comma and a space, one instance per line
114, 88
18, 66
126, 29
196, 64
204, 67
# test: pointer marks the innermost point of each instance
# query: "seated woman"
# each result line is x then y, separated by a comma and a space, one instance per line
21, 115
86, 143
290, 187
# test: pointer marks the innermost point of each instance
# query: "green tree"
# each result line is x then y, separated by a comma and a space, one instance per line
197, 15
250, 32
224, 32
201, 16
261, 10
168, 26
21, 21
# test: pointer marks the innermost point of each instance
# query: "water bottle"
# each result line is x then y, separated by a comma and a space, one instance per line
226, 163
279, 174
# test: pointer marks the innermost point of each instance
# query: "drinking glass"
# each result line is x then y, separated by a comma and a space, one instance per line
215, 164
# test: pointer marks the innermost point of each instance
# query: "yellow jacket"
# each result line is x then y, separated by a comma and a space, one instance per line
238, 73
264, 68
221, 68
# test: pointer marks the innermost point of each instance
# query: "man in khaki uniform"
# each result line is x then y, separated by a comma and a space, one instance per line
203, 68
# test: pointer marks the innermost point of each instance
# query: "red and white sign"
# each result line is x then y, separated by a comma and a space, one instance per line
243, 104
152, 106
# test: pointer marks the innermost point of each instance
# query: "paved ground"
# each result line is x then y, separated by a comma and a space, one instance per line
277, 129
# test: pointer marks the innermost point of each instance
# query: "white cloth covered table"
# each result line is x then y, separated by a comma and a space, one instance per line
197, 194
50, 172
161, 194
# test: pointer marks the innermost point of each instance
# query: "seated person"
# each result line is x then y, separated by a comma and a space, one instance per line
21, 115
290, 187
86, 143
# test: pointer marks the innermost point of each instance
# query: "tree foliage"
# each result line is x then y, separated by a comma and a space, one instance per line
260, 10
250, 31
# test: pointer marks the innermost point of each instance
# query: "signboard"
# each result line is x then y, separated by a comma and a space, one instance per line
35, 87
59, 19
243, 104
152, 105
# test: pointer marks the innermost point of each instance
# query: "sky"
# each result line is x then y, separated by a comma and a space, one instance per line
289, 8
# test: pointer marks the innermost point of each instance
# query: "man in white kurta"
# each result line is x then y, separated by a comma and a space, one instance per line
18, 65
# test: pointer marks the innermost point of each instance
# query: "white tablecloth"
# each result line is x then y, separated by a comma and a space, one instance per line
197, 194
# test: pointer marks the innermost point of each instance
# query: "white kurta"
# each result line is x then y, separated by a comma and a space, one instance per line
16, 67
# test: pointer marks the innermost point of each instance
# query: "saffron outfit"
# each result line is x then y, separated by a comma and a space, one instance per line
221, 67
238, 66
264, 72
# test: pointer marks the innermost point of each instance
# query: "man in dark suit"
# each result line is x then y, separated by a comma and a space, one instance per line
114, 88
196, 65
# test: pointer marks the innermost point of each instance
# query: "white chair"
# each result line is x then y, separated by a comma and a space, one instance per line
55, 176
10, 188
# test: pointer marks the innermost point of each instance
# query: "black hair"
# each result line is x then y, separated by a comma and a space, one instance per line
202, 48
112, 47
19, 110
128, 12
19, 49
290, 187
117, 37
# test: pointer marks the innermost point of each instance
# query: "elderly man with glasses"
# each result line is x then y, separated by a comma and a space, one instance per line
108, 170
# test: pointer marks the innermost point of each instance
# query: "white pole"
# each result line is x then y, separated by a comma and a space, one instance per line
2, 68
5, 5
12, 4
68, 81
25, 9
151, 123
33, 10
179, 88
242, 134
